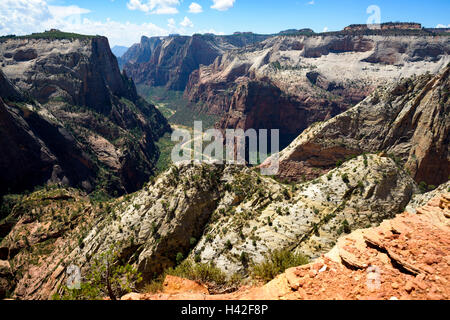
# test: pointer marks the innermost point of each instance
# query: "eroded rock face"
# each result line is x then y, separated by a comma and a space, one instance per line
36, 150
84, 106
212, 204
168, 61
409, 120
308, 78
403, 259
82, 71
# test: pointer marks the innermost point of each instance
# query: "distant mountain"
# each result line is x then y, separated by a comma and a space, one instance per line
118, 51
409, 120
289, 82
169, 61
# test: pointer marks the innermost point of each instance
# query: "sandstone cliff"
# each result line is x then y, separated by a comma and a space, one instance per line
409, 120
77, 83
290, 82
403, 259
35, 149
168, 61
195, 211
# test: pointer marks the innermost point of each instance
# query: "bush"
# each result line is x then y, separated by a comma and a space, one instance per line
423, 187
228, 245
345, 178
107, 277
345, 227
277, 262
179, 258
204, 273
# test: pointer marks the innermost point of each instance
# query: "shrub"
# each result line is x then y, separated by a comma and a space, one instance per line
244, 259
228, 245
107, 277
345, 227
179, 258
277, 262
345, 178
423, 187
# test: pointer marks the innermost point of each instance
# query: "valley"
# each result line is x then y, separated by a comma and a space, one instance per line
88, 181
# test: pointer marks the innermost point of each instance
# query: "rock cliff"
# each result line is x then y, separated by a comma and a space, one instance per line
77, 85
290, 82
197, 211
409, 120
168, 61
403, 259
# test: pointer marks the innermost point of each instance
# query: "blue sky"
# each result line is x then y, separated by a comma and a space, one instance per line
125, 21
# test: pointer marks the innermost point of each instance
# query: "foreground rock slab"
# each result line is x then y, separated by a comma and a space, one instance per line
404, 258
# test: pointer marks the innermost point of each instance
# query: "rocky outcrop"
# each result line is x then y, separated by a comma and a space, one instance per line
290, 82
89, 104
409, 120
37, 150
387, 26
8, 91
194, 211
140, 52
168, 61
403, 259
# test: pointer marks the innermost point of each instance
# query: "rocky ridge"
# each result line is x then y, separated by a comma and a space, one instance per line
290, 82
408, 120
212, 204
168, 61
403, 259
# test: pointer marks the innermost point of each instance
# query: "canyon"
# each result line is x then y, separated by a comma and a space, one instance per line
408, 120
363, 180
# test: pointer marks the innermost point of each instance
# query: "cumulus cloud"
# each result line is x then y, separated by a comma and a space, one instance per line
186, 23
171, 23
222, 5
22, 17
154, 6
443, 26
195, 8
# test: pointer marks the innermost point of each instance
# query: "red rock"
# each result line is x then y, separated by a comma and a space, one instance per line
409, 287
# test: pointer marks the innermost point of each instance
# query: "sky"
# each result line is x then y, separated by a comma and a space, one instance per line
125, 21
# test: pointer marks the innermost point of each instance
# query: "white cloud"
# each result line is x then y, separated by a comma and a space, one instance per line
154, 6
312, 2
67, 11
325, 29
443, 26
22, 17
171, 23
195, 8
186, 23
223, 5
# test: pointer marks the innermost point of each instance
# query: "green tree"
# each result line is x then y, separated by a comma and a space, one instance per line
106, 277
